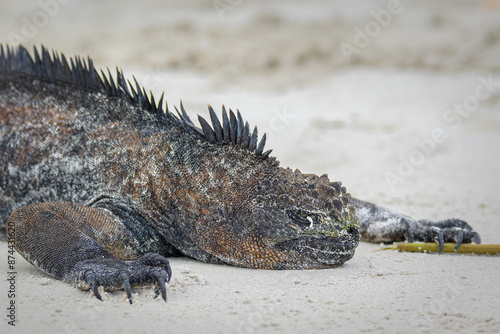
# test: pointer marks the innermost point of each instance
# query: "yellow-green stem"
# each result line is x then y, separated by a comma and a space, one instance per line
492, 249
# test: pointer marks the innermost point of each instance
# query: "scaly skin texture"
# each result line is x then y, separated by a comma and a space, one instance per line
101, 184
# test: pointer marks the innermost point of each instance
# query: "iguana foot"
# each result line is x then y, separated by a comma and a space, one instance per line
377, 224
450, 230
66, 241
114, 274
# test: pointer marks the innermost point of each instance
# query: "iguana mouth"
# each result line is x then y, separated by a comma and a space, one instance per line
326, 251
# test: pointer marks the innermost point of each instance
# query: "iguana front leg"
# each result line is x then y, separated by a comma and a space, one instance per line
377, 224
68, 241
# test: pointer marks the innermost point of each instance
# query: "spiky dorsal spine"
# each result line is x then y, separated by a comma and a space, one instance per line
56, 69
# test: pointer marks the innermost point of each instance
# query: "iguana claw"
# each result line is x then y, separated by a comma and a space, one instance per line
439, 238
475, 237
459, 238
160, 287
126, 286
93, 285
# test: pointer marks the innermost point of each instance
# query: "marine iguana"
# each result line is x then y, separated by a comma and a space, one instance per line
100, 183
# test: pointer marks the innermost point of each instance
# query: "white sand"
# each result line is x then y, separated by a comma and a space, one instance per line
280, 64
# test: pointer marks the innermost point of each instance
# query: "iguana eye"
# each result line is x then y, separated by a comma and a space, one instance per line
310, 220
302, 218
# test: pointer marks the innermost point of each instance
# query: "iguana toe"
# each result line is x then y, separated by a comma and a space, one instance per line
438, 237
156, 260
459, 238
126, 286
93, 285
160, 286
475, 237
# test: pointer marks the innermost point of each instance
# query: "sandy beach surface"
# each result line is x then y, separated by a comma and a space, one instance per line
399, 100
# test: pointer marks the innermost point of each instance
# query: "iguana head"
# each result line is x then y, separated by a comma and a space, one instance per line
274, 218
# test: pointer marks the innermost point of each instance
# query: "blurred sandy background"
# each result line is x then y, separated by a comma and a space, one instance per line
397, 99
